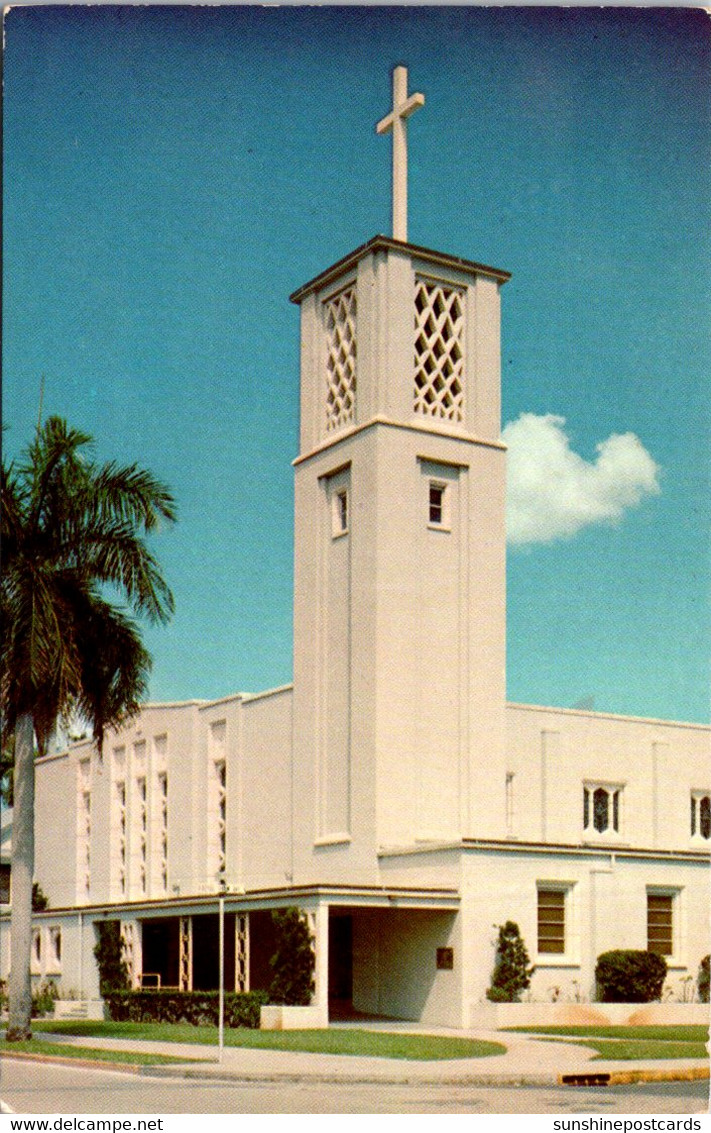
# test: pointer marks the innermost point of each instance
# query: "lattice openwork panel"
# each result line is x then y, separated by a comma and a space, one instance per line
185, 961
439, 353
340, 313
242, 952
128, 950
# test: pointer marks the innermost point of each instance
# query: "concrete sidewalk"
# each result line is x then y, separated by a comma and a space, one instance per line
527, 1061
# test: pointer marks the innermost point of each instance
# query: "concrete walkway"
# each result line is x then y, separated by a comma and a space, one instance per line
527, 1061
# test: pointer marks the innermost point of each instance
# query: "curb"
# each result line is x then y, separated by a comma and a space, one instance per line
354, 1078
216, 1073
630, 1077
83, 1063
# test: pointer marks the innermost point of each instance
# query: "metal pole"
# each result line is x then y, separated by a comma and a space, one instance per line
221, 1008
81, 955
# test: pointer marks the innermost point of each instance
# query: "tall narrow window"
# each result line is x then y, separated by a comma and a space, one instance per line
83, 876
551, 921
138, 807
4, 884
340, 512
162, 796
118, 848
36, 958
701, 815
159, 817
217, 800
54, 957
437, 492
509, 802
142, 832
660, 923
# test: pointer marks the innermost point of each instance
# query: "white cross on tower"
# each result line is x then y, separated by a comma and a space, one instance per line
396, 120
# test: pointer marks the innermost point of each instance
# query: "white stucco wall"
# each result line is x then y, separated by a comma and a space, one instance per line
552, 752
606, 908
55, 827
395, 965
261, 820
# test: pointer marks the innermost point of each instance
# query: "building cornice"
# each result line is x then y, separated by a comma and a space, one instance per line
511, 845
588, 713
385, 895
411, 427
387, 244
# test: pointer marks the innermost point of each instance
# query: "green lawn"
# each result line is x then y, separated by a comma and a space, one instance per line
379, 1044
633, 1043
687, 1032
134, 1058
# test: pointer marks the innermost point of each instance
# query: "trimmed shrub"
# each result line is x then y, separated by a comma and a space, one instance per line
629, 976
199, 1008
512, 973
43, 998
702, 980
40, 900
108, 950
294, 961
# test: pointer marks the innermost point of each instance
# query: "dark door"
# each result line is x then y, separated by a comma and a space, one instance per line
340, 963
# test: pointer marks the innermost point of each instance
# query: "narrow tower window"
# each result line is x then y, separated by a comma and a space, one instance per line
509, 802
437, 492
340, 512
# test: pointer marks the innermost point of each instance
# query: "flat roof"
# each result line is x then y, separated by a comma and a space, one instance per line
386, 243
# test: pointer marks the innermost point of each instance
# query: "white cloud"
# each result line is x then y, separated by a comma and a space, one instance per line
553, 492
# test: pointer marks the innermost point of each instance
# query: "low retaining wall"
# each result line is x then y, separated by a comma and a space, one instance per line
498, 1016
283, 1018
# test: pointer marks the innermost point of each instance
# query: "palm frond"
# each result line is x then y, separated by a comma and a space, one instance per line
70, 527
115, 666
132, 494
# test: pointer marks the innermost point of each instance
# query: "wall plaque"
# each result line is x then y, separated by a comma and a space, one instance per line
445, 959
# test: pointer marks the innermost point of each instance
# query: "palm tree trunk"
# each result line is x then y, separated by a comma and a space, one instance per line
22, 871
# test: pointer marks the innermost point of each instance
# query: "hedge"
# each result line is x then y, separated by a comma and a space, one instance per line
629, 976
703, 980
200, 1008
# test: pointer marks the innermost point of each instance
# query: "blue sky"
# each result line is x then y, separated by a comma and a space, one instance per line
172, 174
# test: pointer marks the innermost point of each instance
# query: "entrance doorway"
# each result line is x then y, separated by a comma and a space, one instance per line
160, 939
340, 964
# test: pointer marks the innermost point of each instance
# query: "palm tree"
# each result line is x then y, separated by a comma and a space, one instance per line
76, 567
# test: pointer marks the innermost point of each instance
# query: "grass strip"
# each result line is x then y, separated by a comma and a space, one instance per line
373, 1044
637, 1050
686, 1032
94, 1054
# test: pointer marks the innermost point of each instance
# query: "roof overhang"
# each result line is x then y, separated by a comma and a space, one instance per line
387, 244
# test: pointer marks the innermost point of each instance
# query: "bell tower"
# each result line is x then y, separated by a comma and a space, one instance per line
399, 606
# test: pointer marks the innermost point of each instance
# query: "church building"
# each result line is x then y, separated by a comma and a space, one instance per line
390, 792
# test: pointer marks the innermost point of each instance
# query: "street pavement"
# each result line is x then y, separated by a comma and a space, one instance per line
528, 1061
40, 1088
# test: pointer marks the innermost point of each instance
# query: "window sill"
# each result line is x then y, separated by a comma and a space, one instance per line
333, 840
547, 961
439, 527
